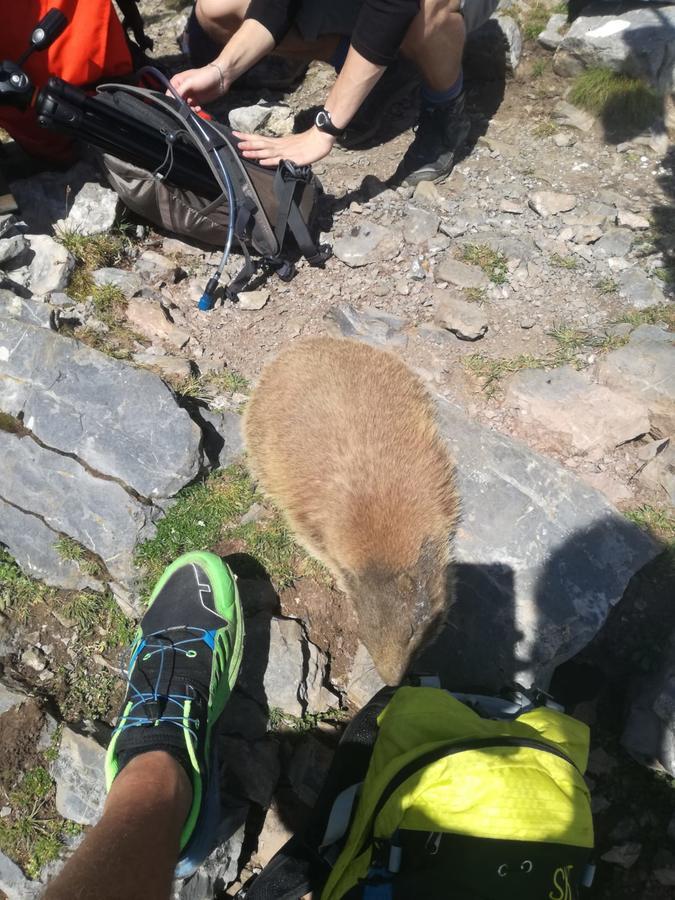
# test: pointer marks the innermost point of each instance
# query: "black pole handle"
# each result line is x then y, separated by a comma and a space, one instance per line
45, 33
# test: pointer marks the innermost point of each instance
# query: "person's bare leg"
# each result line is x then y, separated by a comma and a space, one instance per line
221, 18
435, 42
133, 850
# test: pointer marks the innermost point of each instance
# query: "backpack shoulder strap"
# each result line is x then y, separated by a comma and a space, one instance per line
132, 21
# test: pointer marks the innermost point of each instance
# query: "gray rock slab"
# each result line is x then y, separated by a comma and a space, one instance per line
128, 282
640, 291
512, 246
551, 203
616, 242
31, 542
649, 734
494, 48
249, 118
48, 199
223, 438
644, 371
78, 772
33, 311
9, 699
458, 273
221, 867
153, 266
171, 366
541, 560
572, 410
659, 473
93, 211
96, 512
369, 324
14, 884
466, 320
48, 268
253, 300
566, 114
11, 247
636, 41
120, 420
419, 225
364, 680
363, 244
551, 36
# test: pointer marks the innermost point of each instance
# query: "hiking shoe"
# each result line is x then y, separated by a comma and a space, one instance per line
400, 80
440, 134
184, 663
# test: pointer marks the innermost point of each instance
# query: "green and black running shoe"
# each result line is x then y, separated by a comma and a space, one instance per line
184, 663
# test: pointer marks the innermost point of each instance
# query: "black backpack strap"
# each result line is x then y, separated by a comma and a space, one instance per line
288, 184
302, 864
132, 21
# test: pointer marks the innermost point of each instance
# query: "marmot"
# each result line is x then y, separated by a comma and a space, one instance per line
343, 438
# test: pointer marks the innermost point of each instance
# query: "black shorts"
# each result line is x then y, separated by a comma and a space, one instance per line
318, 17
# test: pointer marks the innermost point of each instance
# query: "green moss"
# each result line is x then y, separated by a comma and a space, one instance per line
621, 101
10, 424
658, 522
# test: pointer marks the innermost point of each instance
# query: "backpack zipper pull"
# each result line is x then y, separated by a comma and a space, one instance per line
433, 842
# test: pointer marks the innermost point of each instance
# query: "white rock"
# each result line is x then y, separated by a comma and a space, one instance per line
79, 775
466, 320
50, 267
253, 299
625, 219
551, 203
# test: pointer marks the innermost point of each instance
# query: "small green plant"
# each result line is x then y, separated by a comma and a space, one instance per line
492, 262
539, 67
620, 99
535, 21
564, 262
99, 613
279, 720
492, 371
573, 342
88, 562
658, 522
109, 303
545, 129
91, 693
205, 386
475, 295
652, 315
92, 252
34, 834
607, 285
18, 592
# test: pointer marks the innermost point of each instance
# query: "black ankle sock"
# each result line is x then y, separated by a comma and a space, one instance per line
148, 742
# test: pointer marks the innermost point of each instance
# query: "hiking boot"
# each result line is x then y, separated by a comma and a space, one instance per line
400, 80
439, 135
184, 663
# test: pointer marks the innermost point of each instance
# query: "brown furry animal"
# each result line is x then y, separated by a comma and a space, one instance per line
343, 438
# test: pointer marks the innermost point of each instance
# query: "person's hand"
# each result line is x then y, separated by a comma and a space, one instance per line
302, 149
198, 86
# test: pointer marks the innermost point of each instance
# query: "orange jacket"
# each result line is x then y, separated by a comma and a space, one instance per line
93, 46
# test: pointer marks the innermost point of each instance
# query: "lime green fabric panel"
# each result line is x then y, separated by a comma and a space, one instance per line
418, 720
495, 794
571, 735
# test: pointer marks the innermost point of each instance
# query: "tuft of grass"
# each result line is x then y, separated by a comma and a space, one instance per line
573, 342
539, 67
475, 295
607, 285
206, 386
665, 275
207, 514
91, 252
564, 262
88, 562
18, 592
492, 262
545, 129
99, 613
34, 834
658, 522
492, 371
109, 303
652, 315
535, 21
619, 99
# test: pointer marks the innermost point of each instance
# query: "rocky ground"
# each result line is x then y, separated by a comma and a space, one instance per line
533, 292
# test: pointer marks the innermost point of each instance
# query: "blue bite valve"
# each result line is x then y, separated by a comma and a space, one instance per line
208, 299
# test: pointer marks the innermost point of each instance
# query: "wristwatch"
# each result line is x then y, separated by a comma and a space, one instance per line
323, 123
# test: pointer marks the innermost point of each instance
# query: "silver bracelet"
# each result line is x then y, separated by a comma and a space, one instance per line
221, 75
